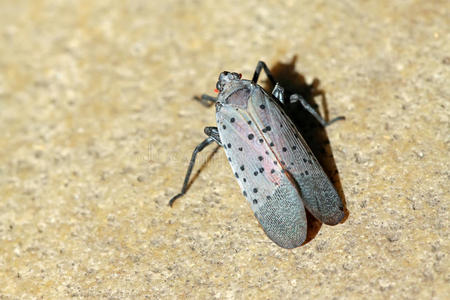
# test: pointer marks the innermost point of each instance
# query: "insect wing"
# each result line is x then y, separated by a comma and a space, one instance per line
318, 193
272, 195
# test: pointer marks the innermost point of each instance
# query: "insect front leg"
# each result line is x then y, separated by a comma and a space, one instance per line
206, 100
297, 98
278, 91
259, 66
213, 136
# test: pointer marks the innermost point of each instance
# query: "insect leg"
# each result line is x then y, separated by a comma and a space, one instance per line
278, 90
278, 93
259, 66
213, 133
312, 111
213, 136
206, 100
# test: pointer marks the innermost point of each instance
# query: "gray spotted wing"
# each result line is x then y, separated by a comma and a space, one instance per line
272, 195
318, 193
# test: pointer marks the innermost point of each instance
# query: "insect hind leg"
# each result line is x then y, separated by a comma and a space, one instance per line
297, 98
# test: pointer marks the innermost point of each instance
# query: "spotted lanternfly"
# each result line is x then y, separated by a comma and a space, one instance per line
277, 172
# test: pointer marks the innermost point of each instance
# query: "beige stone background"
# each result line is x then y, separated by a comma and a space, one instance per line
98, 124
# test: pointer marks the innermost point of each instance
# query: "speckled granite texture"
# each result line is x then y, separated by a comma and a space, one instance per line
98, 124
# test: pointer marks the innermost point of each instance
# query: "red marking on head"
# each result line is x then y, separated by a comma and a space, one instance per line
240, 75
216, 90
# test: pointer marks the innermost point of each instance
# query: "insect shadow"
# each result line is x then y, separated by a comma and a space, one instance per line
314, 134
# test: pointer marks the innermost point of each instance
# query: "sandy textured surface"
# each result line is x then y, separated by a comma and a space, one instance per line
98, 124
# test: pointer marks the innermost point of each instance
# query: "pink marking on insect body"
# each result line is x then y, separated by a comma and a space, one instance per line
275, 178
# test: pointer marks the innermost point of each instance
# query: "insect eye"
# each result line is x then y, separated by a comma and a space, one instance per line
240, 75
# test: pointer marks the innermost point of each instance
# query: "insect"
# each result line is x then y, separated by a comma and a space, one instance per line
276, 170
